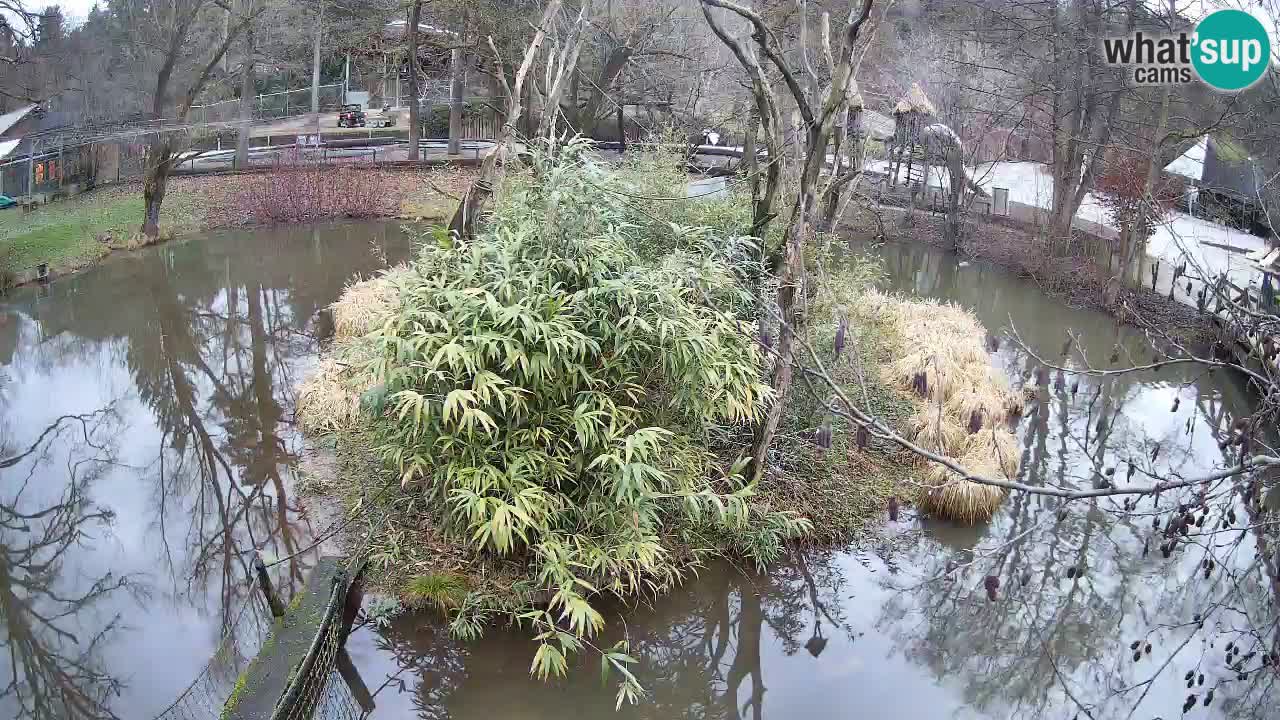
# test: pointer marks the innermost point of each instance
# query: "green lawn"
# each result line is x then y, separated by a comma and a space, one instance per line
65, 234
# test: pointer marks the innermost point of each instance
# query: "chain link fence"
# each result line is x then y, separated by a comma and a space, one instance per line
206, 696
269, 106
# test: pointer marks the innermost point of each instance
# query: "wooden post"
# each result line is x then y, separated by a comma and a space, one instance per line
622, 129
264, 582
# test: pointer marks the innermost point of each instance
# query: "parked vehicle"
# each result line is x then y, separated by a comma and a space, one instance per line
351, 116
383, 118
7, 202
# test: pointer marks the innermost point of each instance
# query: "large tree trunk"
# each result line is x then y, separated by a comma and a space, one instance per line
154, 185
415, 122
247, 96
457, 84
591, 114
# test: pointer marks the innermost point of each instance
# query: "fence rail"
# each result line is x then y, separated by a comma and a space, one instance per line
270, 106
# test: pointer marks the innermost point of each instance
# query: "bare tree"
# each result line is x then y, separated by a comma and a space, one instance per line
168, 36
462, 224
819, 113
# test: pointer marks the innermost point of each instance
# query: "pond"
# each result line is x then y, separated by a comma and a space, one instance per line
148, 406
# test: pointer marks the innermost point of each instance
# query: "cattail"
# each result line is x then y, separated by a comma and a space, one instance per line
1075, 386
1066, 347
841, 331
992, 584
1148, 648
1208, 698
1155, 452
920, 384
1190, 703
1176, 400
766, 340
1042, 377
975, 421
1071, 573
1132, 470
993, 343
893, 508
862, 437
1134, 645
824, 435
1188, 287
1059, 382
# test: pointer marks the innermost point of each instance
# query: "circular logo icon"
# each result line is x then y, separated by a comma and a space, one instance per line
1231, 50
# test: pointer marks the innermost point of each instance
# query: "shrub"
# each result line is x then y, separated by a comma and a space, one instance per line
551, 394
317, 191
1121, 189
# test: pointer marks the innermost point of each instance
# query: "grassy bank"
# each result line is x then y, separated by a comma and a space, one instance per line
71, 234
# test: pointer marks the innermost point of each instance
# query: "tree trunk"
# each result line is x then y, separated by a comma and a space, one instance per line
415, 122
154, 185
590, 116
457, 80
462, 224
315, 68
1133, 239
247, 98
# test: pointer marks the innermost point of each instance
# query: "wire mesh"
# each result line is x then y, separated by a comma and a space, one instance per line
319, 690
240, 641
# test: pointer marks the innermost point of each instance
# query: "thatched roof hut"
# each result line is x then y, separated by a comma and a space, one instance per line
915, 101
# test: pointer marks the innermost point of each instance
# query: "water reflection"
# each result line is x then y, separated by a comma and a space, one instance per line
125, 525
903, 627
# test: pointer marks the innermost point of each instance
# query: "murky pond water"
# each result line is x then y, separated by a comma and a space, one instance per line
146, 443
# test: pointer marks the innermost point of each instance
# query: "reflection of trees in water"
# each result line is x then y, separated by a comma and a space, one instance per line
212, 335
1095, 576
50, 642
699, 651
214, 359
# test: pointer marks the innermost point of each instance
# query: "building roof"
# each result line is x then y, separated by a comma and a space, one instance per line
1230, 170
915, 101
7, 146
1220, 165
13, 117
1190, 164
877, 125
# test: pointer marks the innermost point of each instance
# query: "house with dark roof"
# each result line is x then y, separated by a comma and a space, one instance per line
40, 157
1224, 183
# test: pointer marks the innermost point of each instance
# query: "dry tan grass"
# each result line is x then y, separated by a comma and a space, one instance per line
964, 410
365, 305
328, 400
